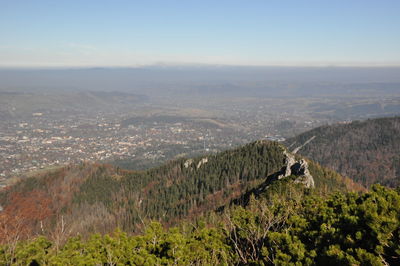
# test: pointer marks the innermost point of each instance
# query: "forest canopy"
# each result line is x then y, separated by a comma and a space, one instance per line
342, 229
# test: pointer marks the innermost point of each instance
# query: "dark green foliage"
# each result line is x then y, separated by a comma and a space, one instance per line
97, 197
295, 228
157, 246
173, 191
344, 229
352, 227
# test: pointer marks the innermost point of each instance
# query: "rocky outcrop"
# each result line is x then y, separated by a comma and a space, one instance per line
188, 163
295, 168
201, 162
289, 162
301, 170
292, 168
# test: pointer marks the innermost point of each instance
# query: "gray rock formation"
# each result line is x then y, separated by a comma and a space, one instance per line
298, 169
289, 162
188, 163
201, 162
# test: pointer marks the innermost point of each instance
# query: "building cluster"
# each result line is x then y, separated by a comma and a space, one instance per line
42, 142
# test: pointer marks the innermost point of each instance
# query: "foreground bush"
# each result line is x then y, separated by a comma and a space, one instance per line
289, 229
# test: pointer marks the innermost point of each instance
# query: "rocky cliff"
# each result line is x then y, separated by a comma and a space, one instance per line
295, 168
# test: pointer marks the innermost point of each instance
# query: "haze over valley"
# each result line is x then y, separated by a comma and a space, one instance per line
146, 116
199, 132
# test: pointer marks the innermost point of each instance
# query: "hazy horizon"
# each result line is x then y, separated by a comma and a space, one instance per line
48, 34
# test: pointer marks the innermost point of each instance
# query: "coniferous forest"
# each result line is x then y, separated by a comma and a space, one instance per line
234, 207
292, 228
366, 151
199, 133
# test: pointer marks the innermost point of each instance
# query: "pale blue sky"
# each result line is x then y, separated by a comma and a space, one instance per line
246, 32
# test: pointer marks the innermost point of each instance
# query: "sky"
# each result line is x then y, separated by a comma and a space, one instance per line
38, 33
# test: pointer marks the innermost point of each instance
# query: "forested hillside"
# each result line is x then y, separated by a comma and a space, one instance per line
287, 225
367, 151
98, 198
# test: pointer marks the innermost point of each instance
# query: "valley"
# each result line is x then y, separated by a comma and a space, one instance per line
44, 127
199, 133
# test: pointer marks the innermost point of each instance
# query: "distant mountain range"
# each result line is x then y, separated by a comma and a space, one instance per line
211, 80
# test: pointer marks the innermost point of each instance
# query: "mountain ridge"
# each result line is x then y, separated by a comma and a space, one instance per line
366, 151
98, 197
